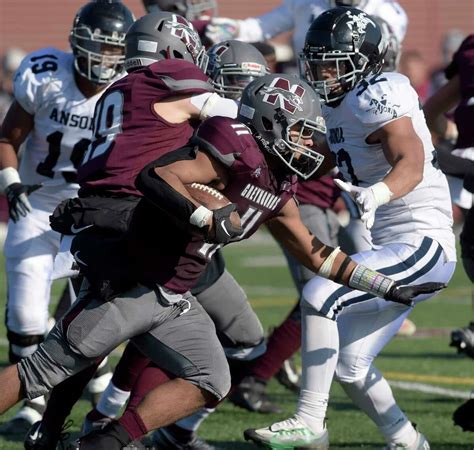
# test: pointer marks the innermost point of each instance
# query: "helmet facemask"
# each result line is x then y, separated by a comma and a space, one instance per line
294, 149
99, 57
315, 67
230, 80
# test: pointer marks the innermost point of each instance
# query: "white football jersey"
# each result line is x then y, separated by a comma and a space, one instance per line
45, 87
298, 15
374, 102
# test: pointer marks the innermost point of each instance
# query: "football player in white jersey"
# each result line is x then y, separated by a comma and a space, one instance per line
297, 16
55, 95
379, 139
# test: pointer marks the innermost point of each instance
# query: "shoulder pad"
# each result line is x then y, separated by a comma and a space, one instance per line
382, 98
224, 138
38, 70
180, 75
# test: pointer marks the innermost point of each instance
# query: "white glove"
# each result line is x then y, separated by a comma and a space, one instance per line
221, 29
367, 199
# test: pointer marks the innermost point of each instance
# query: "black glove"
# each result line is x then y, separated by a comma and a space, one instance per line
17, 197
406, 294
464, 416
224, 230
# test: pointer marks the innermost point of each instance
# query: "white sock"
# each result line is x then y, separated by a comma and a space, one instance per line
374, 396
112, 400
193, 422
320, 349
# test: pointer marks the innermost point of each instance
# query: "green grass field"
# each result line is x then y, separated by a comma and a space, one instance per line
425, 359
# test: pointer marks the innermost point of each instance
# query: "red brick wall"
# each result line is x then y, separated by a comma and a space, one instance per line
34, 24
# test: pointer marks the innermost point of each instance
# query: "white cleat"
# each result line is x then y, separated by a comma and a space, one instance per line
421, 443
288, 434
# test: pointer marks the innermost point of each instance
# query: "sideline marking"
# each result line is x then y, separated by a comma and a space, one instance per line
442, 379
430, 389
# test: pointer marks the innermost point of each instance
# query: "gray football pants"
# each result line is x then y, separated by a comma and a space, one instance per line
180, 338
238, 327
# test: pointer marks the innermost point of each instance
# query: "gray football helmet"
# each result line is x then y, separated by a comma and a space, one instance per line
233, 65
97, 39
281, 111
343, 45
163, 35
393, 47
191, 9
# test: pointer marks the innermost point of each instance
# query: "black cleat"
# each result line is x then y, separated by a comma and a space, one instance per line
40, 438
250, 394
111, 437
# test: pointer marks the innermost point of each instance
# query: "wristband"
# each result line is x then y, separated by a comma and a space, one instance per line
200, 217
371, 281
8, 176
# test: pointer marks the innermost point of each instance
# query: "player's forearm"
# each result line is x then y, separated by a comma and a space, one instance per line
404, 176
8, 156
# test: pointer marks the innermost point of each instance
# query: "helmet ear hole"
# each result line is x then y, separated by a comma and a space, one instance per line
267, 124
177, 55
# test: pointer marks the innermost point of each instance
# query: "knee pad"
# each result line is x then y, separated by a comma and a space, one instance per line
21, 346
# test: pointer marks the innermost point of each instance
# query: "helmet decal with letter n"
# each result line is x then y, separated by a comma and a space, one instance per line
284, 115
342, 46
233, 65
163, 35
97, 39
289, 97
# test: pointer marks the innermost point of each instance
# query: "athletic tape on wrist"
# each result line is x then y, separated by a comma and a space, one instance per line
209, 105
368, 280
8, 176
326, 266
200, 217
382, 193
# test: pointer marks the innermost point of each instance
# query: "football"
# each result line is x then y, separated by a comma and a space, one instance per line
212, 199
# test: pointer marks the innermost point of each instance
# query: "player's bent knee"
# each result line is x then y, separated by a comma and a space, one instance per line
49, 365
350, 373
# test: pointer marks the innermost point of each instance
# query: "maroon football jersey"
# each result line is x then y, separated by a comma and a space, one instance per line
321, 192
128, 132
173, 258
463, 64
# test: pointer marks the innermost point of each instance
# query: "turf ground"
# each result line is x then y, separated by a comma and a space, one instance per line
428, 377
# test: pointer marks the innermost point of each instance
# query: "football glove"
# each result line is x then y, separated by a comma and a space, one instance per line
406, 294
17, 197
221, 29
223, 230
367, 199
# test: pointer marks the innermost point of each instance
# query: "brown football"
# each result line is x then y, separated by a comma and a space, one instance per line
212, 199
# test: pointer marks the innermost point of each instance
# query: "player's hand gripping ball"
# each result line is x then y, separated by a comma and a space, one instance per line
226, 224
